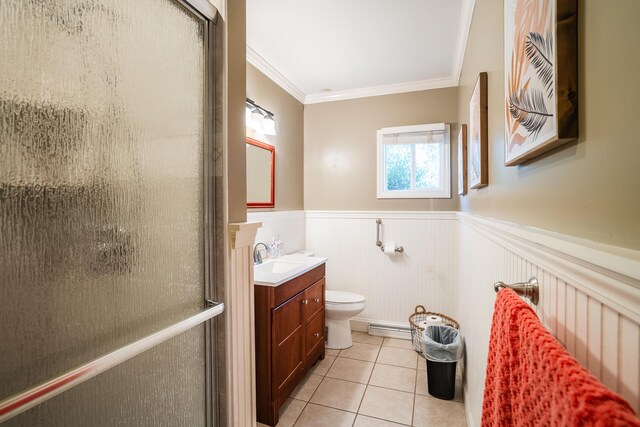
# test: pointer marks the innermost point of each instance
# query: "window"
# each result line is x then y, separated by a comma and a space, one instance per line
414, 162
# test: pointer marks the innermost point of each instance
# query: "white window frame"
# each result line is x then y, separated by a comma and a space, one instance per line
444, 192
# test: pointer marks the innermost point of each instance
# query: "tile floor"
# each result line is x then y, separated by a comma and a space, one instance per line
377, 382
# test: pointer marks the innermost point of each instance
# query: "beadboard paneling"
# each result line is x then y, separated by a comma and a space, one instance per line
240, 329
582, 304
589, 295
425, 273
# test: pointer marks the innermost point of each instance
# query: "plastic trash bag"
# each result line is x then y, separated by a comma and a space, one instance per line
442, 344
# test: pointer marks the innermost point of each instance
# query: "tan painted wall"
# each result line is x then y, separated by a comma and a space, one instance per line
590, 188
340, 148
288, 142
235, 59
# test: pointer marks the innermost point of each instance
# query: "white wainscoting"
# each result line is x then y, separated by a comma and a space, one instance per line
590, 293
425, 273
289, 225
589, 300
239, 326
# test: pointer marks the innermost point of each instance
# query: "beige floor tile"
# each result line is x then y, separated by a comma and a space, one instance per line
429, 411
354, 370
322, 366
361, 351
364, 337
331, 352
395, 342
421, 382
363, 421
390, 405
306, 387
422, 363
398, 357
339, 394
320, 416
395, 377
289, 412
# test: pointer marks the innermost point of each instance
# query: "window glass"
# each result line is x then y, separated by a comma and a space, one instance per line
398, 166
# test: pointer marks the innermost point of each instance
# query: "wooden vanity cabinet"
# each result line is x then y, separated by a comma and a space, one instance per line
289, 338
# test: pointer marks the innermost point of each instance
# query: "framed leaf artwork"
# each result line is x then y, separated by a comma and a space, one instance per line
541, 77
478, 135
462, 160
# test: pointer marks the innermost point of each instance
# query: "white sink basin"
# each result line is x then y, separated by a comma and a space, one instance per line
274, 272
276, 266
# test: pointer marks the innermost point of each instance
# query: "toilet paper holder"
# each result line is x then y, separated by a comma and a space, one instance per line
379, 242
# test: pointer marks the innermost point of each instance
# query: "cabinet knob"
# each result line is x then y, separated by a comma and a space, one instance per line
316, 299
304, 301
317, 334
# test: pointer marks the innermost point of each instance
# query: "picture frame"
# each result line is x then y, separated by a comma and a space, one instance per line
462, 160
541, 77
478, 135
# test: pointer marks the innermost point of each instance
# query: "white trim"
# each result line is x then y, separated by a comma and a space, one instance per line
270, 215
415, 128
390, 215
390, 89
464, 27
278, 78
607, 273
444, 192
243, 233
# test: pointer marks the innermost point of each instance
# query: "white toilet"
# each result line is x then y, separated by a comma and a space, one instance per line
339, 308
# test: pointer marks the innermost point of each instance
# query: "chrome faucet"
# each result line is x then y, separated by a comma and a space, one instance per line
257, 258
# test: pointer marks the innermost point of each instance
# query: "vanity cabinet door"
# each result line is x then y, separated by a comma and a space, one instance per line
288, 351
314, 297
314, 338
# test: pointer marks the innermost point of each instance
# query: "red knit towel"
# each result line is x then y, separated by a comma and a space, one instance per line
533, 381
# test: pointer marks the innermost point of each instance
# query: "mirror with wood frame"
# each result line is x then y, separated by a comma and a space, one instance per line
261, 159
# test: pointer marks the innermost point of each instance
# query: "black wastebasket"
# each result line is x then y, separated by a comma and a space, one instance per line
442, 347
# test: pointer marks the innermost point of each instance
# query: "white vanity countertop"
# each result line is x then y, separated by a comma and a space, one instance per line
276, 271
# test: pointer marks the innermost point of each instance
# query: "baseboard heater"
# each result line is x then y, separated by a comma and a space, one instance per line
391, 331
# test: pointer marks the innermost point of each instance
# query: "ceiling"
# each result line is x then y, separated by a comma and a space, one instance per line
329, 50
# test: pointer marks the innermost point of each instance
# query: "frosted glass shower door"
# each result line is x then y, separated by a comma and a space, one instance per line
104, 145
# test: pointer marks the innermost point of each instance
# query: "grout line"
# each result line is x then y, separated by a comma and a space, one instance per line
413, 409
299, 415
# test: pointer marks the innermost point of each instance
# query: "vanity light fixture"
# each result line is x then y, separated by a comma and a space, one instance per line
259, 119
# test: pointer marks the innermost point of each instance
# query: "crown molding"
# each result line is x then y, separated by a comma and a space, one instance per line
464, 28
268, 70
381, 90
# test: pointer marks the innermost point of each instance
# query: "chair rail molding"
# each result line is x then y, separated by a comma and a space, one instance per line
608, 273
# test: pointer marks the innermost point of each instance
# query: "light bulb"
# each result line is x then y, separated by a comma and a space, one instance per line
256, 120
269, 125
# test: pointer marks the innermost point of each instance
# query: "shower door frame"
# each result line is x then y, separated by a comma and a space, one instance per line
206, 11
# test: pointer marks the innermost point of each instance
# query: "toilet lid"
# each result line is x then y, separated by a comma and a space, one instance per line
339, 297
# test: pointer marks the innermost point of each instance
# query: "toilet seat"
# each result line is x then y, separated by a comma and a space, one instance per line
339, 297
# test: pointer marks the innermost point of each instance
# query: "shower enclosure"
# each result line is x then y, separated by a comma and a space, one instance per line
106, 207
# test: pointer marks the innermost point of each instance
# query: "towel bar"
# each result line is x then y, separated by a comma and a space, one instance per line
528, 289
